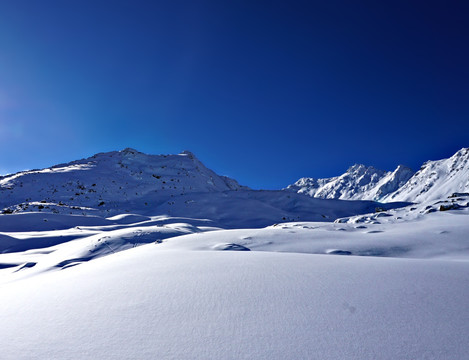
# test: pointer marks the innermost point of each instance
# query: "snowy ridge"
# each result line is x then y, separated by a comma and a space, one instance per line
106, 180
435, 180
129, 181
393, 181
357, 183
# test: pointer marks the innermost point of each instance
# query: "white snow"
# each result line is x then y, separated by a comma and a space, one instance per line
113, 183
148, 304
357, 183
435, 180
214, 270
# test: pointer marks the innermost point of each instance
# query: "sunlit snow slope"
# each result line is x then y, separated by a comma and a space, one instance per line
435, 180
149, 304
357, 183
132, 256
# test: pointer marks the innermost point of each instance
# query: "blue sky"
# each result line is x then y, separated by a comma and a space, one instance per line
262, 91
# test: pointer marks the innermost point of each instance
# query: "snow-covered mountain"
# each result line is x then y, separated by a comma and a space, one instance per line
435, 180
106, 179
359, 182
129, 181
110, 183
131, 256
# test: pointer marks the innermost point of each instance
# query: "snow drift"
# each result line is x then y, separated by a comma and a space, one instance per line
126, 255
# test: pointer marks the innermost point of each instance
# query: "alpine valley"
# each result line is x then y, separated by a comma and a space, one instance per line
125, 255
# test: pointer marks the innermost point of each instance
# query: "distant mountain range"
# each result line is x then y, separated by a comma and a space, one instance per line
357, 183
128, 181
435, 180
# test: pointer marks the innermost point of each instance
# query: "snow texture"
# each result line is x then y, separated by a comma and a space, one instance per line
132, 256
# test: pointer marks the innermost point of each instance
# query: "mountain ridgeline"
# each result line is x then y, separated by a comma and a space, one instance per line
435, 180
128, 181
357, 183
124, 175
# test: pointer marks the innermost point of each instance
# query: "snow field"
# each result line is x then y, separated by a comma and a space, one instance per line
144, 303
125, 255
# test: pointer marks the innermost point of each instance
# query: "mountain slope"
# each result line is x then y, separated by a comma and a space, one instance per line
106, 180
128, 181
357, 183
436, 180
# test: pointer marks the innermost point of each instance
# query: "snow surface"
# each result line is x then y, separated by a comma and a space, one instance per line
214, 270
148, 304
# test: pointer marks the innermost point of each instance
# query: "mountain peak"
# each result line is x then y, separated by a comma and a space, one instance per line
464, 152
401, 168
356, 167
130, 151
126, 179
355, 184
362, 169
435, 180
189, 154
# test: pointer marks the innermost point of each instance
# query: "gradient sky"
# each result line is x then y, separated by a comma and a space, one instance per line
262, 91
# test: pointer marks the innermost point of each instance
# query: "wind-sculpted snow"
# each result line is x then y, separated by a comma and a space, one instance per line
438, 235
130, 256
402, 233
250, 208
150, 304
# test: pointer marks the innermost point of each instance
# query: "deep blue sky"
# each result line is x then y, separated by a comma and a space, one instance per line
263, 91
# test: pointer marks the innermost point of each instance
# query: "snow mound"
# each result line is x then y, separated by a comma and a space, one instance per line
231, 247
338, 252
